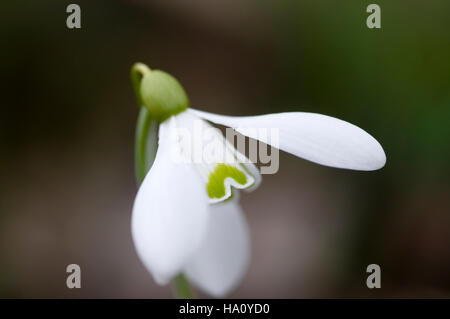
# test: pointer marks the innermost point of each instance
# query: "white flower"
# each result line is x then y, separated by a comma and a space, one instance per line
186, 218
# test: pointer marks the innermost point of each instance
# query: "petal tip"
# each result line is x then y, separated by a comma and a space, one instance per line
378, 157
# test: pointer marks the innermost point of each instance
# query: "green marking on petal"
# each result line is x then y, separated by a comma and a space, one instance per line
216, 182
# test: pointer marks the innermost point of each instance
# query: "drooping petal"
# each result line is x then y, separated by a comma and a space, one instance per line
222, 259
170, 212
318, 138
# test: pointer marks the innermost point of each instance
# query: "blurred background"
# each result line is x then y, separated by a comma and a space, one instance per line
67, 127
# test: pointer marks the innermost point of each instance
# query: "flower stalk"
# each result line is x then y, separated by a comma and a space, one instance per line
182, 288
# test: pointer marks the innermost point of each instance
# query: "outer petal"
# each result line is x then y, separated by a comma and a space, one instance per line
318, 138
222, 260
170, 212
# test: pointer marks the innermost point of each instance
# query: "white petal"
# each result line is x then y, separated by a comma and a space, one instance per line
170, 212
220, 263
319, 138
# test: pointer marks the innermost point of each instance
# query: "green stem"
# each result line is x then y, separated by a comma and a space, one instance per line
138, 70
144, 155
182, 287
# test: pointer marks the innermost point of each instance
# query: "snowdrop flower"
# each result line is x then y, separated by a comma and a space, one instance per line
186, 217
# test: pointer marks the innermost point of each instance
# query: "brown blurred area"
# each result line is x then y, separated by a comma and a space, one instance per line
67, 133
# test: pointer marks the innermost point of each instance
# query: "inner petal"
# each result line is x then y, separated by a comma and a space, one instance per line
222, 178
219, 164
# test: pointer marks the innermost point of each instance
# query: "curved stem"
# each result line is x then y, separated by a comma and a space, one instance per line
138, 70
145, 147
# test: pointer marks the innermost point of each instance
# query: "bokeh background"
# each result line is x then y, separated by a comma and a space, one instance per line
67, 126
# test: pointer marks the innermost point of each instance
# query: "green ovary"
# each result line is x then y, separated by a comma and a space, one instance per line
162, 95
216, 182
